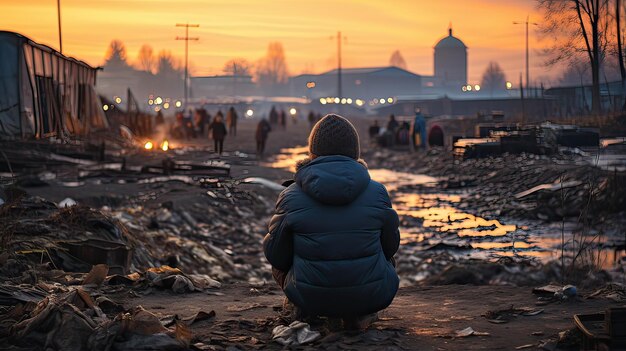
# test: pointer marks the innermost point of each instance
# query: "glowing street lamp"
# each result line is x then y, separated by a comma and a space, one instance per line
292, 111
509, 85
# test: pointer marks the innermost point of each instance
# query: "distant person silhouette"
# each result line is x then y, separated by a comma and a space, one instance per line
219, 133
231, 120
262, 131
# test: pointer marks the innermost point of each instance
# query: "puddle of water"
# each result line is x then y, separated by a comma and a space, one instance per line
395, 180
432, 217
288, 158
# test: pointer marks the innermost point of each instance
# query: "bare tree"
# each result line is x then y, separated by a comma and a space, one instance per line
238, 67
116, 55
620, 50
166, 65
578, 26
146, 58
397, 60
493, 78
271, 70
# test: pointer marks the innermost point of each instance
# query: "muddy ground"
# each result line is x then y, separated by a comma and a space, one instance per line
216, 230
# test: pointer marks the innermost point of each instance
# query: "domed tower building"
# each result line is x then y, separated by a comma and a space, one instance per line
450, 63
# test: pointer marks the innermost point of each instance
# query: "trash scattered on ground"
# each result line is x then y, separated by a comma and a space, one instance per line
469, 332
296, 333
508, 314
613, 291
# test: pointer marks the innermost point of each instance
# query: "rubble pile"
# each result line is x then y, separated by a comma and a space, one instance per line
523, 185
220, 238
445, 268
219, 235
80, 315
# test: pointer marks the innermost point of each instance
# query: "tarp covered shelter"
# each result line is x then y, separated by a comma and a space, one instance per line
44, 93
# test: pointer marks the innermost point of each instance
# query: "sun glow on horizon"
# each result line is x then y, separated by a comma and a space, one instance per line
372, 30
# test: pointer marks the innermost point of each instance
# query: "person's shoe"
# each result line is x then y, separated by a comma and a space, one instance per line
291, 311
360, 323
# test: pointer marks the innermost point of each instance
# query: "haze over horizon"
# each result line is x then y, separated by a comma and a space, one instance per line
373, 30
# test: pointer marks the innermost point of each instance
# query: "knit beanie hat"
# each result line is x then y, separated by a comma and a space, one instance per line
334, 135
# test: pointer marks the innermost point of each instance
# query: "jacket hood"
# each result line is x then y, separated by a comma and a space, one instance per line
333, 180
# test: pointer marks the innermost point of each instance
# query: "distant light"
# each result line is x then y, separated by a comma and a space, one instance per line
330, 100
158, 100
509, 85
389, 100
118, 100
310, 85
469, 87
150, 102
249, 113
477, 87
337, 100
464, 88
322, 101
157, 109
382, 101
292, 111
148, 145
349, 100
359, 102
179, 103
105, 107
344, 100
166, 105
165, 146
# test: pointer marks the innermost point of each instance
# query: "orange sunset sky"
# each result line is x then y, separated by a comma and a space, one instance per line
243, 28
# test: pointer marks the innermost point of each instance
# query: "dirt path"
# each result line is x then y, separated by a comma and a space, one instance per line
424, 318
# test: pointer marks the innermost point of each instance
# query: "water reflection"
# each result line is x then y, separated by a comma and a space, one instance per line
288, 158
430, 218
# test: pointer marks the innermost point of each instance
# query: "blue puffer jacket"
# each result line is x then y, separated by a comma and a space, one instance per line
335, 232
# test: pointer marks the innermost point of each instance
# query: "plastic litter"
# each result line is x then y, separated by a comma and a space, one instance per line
296, 333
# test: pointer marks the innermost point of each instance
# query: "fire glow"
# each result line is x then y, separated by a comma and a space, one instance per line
150, 145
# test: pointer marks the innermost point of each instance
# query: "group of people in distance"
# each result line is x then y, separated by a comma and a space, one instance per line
406, 133
198, 123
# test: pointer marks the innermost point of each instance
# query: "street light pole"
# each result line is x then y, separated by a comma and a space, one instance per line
59, 20
186, 38
527, 66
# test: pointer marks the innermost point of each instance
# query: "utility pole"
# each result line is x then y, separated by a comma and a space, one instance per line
59, 20
521, 91
527, 69
186, 38
339, 65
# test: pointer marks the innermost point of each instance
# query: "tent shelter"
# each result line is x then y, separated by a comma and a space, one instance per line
44, 93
